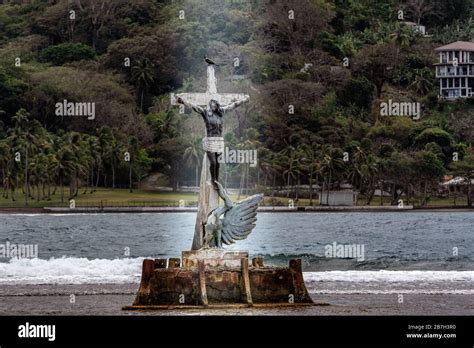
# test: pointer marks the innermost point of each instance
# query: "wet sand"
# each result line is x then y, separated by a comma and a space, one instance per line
109, 299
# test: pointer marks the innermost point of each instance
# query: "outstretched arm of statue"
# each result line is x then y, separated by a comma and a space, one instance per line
196, 108
236, 104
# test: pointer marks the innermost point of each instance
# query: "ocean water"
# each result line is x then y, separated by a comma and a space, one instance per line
431, 251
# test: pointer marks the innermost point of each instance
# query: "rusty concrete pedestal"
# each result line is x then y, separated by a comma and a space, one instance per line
218, 278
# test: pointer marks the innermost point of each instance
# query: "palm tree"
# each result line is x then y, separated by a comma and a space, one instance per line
251, 143
38, 170
402, 35
5, 158
93, 155
71, 162
284, 159
51, 172
193, 155
13, 172
331, 163
423, 82
106, 139
372, 169
465, 169
75, 143
293, 167
364, 171
143, 76
243, 169
86, 160
63, 164
12, 178
133, 152
265, 157
115, 155
25, 136
312, 163
417, 9
277, 163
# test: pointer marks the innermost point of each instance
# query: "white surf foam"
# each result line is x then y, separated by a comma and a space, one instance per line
69, 270
396, 291
391, 276
385, 282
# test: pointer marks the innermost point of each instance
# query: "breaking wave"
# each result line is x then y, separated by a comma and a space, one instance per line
69, 270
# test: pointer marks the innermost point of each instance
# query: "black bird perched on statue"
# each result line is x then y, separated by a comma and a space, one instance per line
211, 62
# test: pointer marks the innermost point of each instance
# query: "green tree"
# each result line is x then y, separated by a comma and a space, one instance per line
25, 137
133, 150
39, 172
376, 64
403, 35
67, 52
465, 169
423, 81
312, 162
5, 158
114, 157
74, 158
429, 170
193, 154
142, 76
331, 163
63, 163
363, 171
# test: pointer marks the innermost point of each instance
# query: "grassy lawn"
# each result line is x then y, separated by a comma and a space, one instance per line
107, 197
432, 202
122, 197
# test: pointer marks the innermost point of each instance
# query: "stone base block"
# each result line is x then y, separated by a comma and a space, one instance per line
215, 277
213, 258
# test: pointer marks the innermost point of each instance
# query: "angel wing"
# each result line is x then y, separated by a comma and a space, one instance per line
240, 219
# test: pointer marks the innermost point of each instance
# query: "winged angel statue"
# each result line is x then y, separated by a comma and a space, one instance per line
233, 221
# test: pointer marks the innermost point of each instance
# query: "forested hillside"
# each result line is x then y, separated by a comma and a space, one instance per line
317, 72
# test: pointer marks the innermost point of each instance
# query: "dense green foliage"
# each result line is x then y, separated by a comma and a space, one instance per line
67, 52
336, 105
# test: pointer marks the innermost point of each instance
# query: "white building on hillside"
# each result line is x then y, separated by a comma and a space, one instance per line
455, 70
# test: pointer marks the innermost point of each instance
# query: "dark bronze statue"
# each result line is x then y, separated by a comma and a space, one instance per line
234, 221
213, 143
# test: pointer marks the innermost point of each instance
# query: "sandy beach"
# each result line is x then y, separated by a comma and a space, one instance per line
108, 299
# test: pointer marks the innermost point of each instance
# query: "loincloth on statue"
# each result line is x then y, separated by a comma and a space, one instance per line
213, 144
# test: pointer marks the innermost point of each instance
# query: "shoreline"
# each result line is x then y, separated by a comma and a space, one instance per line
263, 209
109, 299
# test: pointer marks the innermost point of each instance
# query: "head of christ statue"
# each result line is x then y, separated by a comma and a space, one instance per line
215, 107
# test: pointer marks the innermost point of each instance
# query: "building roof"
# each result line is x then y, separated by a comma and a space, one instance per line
457, 181
412, 24
457, 46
